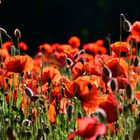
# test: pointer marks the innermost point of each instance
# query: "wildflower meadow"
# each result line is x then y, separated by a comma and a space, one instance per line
71, 91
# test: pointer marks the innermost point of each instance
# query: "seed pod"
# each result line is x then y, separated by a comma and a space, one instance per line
128, 91
136, 61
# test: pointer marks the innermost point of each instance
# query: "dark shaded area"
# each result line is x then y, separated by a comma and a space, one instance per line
56, 20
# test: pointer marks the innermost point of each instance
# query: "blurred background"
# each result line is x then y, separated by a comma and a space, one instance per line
54, 21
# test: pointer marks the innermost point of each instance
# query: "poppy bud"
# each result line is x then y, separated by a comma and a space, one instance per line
107, 72
89, 86
29, 92
114, 84
47, 130
101, 115
69, 61
69, 111
75, 56
34, 98
79, 115
17, 33
128, 91
82, 52
81, 60
136, 61
40, 135
41, 101
26, 123
3, 31
126, 24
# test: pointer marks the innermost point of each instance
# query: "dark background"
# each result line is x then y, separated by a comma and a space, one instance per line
54, 21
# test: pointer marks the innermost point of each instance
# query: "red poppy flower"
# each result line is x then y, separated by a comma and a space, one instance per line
50, 74
47, 47
111, 108
23, 46
4, 53
52, 114
135, 28
137, 95
74, 41
7, 45
121, 48
95, 48
118, 67
18, 63
78, 70
88, 128
86, 90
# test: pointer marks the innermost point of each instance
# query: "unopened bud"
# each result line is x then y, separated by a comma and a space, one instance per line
17, 33
82, 52
29, 92
75, 56
126, 24
128, 91
136, 61
114, 84
107, 72
69, 61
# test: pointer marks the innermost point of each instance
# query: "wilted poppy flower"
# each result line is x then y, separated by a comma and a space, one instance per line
118, 67
121, 48
88, 128
18, 64
74, 41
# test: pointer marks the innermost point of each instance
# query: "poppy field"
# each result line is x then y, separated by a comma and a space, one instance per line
71, 91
